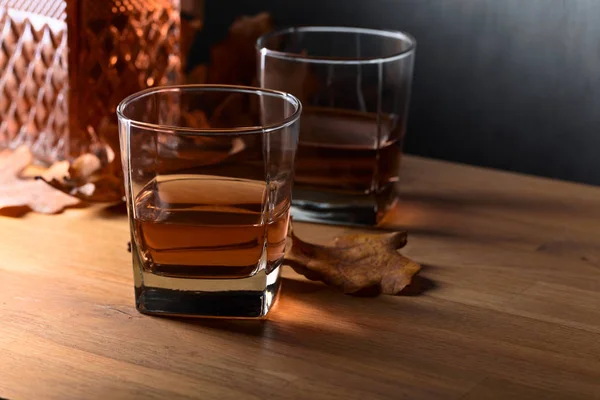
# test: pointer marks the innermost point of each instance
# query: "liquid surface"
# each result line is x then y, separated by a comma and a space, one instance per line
196, 226
347, 151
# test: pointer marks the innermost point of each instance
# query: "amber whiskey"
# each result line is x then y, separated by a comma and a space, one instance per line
208, 227
347, 162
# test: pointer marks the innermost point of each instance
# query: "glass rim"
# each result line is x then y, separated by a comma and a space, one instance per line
285, 122
403, 36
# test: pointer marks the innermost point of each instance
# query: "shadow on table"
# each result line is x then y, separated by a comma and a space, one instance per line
315, 331
117, 210
14, 212
310, 314
21, 211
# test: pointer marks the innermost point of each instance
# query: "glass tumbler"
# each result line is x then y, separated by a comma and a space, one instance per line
208, 178
354, 85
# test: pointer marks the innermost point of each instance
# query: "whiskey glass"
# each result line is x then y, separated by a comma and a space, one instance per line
354, 85
208, 178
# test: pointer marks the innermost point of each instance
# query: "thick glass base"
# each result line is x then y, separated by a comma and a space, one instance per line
250, 297
340, 209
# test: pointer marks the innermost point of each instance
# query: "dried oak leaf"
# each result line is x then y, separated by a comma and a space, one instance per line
190, 27
233, 111
197, 75
89, 177
98, 189
32, 193
233, 60
84, 166
361, 264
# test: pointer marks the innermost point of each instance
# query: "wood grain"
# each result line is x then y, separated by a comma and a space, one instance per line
512, 310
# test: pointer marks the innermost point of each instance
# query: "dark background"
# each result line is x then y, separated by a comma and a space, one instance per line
510, 84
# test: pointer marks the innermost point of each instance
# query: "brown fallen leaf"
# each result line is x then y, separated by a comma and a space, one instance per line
58, 170
33, 193
233, 111
197, 75
98, 189
361, 264
194, 119
84, 167
90, 177
233, 60
191, 25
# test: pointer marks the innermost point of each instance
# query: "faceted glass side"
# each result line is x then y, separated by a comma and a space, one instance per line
34, 76
122, 46
66, 64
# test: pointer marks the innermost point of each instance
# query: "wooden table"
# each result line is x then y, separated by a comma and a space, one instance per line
512, 309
